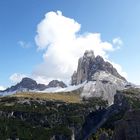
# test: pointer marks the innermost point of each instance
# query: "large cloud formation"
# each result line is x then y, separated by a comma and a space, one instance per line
60, 39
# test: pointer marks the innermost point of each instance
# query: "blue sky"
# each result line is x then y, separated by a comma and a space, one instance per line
112, 19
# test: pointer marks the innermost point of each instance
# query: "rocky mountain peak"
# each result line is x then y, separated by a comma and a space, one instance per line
88, 65
102, 78
56, 83
99, 59
26, 82
89, 54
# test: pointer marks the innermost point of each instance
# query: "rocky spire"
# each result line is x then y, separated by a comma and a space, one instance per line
74, 78
83, 68
88, 65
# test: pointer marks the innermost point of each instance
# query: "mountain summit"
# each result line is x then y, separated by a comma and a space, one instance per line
26, 84
88, 65
102, 79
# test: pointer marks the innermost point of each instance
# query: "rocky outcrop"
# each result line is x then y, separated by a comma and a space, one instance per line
129, 127
84, 67
88, 65
74, 78
26, 84
105, 118
102, 78
56, 83
103, 85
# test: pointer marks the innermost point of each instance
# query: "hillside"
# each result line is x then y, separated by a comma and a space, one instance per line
63, 116
43, 119
64, 97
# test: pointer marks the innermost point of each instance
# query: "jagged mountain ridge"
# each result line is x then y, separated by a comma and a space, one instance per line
28, 84
56, 83
102, 78
88, 65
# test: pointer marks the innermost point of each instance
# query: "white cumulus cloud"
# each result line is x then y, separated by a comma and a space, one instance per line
2, 88
117, 42
41, 79
62, 43
16, 77
24, 44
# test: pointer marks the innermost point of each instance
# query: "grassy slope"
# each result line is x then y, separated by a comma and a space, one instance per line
65, 97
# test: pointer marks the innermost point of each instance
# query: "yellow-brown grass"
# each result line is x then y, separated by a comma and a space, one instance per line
65, 97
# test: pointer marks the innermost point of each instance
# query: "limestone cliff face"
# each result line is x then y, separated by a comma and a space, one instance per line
88, 65
103, 85
74, 78
102, 78
84, 64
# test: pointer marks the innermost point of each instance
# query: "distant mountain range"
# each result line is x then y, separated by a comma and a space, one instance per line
28, 84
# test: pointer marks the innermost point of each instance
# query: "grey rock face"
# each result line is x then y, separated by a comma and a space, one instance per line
74, 78
103, 85
102, 78
83, 69
56, 83
88, 65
